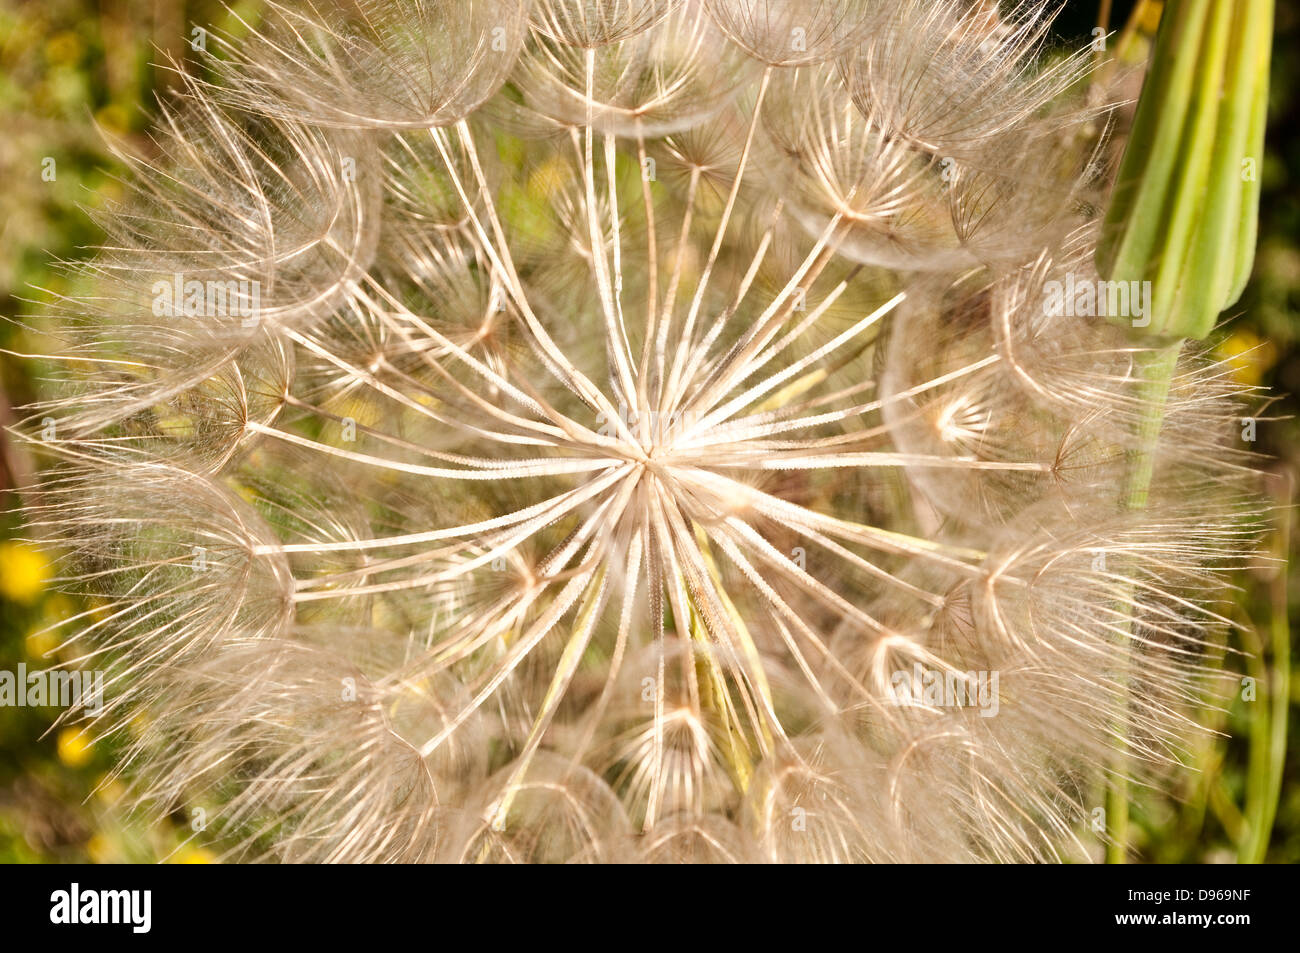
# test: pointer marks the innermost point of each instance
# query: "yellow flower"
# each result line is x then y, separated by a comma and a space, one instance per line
1150, 15
100, 849
74, 747
40, 643
23, 571
1248, 355
190, 854
110, 791
114, 117
547, 181
98, 610
64, 49
56, 609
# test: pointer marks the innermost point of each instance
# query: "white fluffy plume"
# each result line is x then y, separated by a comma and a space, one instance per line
616, 417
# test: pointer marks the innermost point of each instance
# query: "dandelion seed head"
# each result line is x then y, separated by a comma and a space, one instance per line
641, 393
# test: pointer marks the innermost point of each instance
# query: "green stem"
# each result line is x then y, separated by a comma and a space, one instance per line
1155, 371
1268, 730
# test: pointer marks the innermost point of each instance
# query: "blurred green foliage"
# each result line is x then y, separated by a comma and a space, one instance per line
75, 76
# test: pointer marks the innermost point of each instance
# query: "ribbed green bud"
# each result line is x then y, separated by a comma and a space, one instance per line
1184, 213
